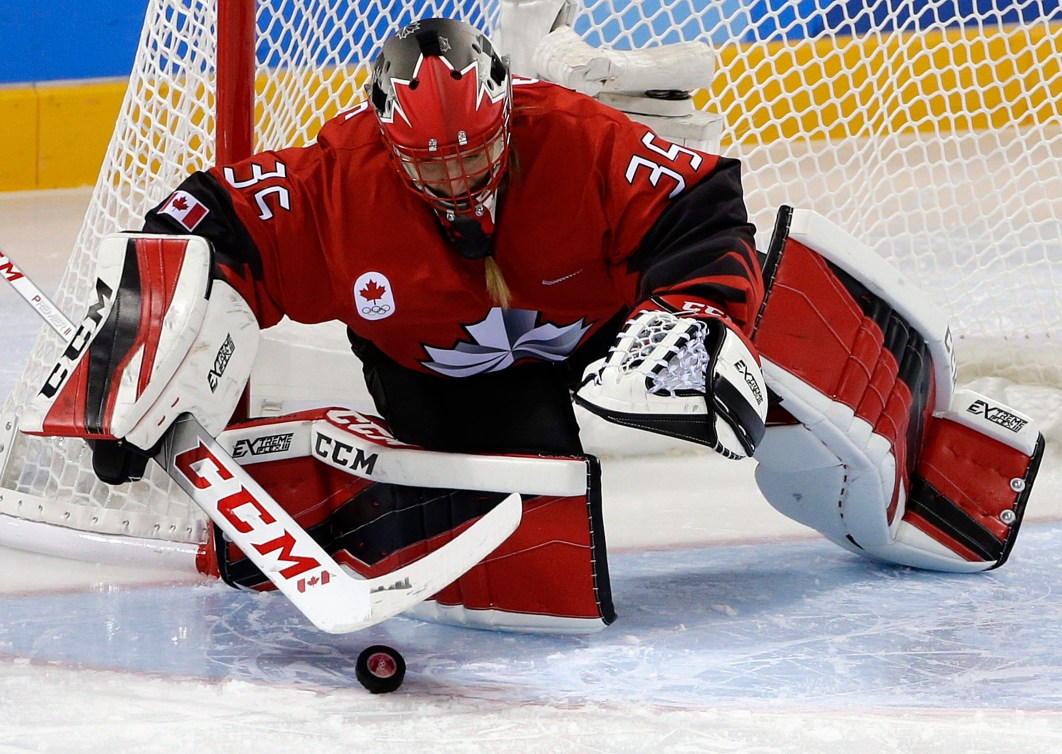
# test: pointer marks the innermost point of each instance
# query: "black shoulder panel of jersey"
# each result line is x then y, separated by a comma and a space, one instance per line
704, 233
233, 246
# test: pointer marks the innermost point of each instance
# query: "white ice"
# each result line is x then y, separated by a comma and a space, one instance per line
738, 631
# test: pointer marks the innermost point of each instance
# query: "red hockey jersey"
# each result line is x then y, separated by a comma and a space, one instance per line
598, 214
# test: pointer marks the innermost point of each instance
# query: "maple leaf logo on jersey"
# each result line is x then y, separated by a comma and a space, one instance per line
373, 291
503, 338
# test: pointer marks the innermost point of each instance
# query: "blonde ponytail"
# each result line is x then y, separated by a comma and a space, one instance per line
497, 288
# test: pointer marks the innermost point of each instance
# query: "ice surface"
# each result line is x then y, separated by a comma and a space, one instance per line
738, 631
796, 622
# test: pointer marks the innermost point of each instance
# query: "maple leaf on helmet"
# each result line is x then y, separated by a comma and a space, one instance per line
443, 96
180, 203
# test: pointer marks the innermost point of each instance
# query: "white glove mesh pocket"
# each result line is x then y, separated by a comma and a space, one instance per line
669, 350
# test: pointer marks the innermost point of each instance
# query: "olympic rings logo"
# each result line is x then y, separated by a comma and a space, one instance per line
376, 310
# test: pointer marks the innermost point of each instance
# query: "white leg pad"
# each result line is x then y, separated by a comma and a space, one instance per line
868, 441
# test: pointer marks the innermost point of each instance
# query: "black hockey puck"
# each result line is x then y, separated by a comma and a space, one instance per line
380, 669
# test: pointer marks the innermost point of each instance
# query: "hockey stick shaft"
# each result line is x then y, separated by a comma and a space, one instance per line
309, 577
25, 287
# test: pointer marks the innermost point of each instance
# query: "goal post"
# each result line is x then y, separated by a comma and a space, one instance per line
234, 97
933, 134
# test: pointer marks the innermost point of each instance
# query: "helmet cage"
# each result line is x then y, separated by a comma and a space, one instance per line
461, 177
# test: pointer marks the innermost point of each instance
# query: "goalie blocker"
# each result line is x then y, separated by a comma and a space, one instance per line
868, 441
161, 338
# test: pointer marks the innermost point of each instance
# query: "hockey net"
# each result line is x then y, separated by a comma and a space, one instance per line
933, 135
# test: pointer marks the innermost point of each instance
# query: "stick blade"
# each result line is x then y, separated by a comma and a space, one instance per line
403, 588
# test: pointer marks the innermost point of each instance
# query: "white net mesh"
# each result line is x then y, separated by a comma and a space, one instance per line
930, 132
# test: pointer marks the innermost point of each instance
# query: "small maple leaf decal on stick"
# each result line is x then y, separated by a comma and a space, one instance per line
373, 291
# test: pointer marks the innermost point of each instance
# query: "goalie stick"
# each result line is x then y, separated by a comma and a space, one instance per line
40, 303
331, 598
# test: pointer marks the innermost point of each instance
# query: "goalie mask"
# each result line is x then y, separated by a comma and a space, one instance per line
442, 96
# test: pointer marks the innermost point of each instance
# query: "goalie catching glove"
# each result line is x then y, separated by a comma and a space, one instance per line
686, 373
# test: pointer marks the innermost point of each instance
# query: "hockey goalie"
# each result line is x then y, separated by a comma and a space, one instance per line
494, 245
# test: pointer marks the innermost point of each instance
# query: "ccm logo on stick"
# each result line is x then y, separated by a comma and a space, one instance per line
247, 514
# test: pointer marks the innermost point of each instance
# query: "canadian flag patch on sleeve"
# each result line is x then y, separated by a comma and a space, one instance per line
185, 209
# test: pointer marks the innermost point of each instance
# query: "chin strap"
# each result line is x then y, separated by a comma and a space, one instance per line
471, 234
468, 237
